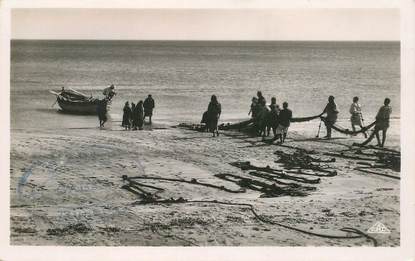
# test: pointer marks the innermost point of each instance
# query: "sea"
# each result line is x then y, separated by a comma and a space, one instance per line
182, 75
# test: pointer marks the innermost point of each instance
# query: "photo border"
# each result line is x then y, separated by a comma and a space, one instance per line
407, 196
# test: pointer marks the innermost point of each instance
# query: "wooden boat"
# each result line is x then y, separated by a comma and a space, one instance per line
75, 102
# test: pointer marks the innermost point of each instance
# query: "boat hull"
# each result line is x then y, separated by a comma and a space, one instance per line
78, 107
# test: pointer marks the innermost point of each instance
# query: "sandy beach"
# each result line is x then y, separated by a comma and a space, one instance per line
67, 189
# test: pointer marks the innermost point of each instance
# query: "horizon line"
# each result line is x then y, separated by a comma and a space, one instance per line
195, 40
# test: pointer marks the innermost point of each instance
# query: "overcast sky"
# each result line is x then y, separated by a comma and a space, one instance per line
199, 24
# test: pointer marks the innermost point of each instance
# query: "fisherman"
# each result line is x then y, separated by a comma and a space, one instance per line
102, 112
260, 121
213, 115
382, 124
254, 107
272, 117
382, 121
356, 115
134, 120
148, 107
109, 92
331, 111
126, 117
140, 115
261, 99
284, 119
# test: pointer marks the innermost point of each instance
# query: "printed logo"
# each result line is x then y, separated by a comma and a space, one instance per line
378, 228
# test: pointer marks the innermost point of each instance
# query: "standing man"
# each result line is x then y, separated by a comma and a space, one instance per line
284, 120
382, 124
272, 117
261, 98
331, 111
102, 112
148, 107
109, 92
356, 112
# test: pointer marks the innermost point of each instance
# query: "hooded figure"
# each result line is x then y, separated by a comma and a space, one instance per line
126, 117
140, 115
213, 114
134, 121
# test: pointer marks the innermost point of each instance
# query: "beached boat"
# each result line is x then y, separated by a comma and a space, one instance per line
75, 102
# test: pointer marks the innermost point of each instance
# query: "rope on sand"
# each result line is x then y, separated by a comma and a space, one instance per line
148, 198
384, 149
362, 169
358, 233
192, 181
341, 155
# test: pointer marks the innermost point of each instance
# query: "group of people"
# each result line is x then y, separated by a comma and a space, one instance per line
270, 117
356, 119
134, 116
265, 118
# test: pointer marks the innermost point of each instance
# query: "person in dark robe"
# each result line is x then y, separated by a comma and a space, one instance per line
148, 107
331, 118
140, 115
213, 115
134, 121
284, 120
102, 112
126, 117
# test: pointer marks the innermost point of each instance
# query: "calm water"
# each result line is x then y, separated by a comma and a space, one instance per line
182, 76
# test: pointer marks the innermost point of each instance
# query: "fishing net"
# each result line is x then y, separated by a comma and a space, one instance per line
303, 119
238, 125
347, 131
